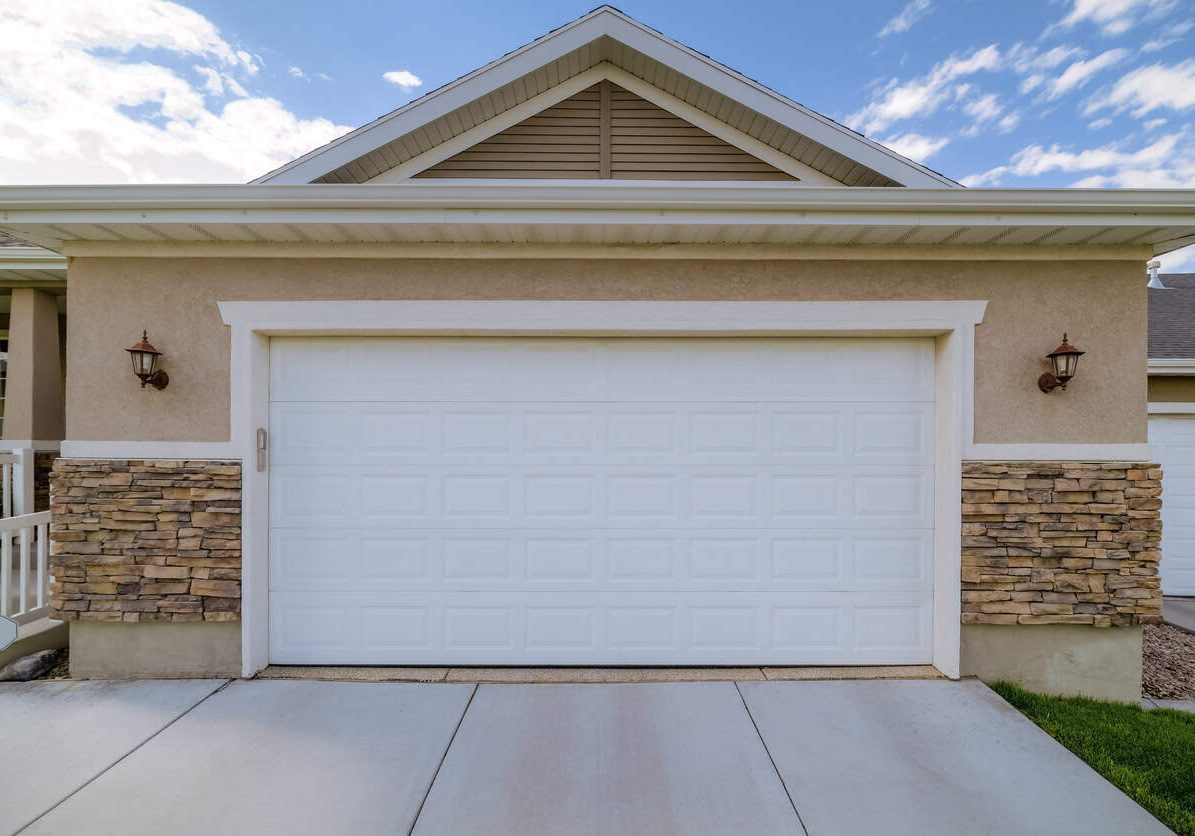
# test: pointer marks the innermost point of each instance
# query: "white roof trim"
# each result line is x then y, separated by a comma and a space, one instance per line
605, 22
605, 72
1171, 408
1173, 204
30, 258
1181, 366
31, 265
613, 210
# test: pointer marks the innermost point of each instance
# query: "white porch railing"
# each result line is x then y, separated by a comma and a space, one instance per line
24, 540
25, 584
16, 481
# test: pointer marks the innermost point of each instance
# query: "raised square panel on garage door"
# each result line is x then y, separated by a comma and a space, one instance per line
601, 501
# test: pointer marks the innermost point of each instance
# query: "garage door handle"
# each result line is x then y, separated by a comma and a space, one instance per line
262, 438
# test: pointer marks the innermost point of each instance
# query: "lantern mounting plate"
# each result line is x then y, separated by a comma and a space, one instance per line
1048, 383
159, 380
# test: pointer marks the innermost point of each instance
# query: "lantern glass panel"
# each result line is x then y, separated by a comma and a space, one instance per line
143, 362
1070, 365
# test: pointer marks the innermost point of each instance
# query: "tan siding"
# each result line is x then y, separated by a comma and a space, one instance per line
606, 131
1171, 389
561, 141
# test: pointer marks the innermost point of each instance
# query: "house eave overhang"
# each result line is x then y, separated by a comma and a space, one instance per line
31, 266
1174, 367
598, 212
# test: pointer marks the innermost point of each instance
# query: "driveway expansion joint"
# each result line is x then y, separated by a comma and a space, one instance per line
771, 759
116, 762
443, 757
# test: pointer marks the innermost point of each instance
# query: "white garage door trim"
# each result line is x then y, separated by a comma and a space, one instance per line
950, 323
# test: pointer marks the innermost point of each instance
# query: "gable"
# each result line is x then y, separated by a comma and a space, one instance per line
606, 132
606, 44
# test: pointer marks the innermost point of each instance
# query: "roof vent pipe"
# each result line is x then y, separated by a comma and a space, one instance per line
1155, 281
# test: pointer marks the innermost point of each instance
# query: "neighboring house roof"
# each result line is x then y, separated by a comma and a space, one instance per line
608, 45
1172, 319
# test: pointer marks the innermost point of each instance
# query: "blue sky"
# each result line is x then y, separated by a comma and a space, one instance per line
1062, 93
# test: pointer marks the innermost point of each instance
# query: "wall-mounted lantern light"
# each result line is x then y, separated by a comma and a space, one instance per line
1065, 360
145, 363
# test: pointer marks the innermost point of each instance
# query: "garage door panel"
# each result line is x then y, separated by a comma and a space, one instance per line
538, 370
482, 497
590, 559
601, 501
363, 434
602, 627
1172, 443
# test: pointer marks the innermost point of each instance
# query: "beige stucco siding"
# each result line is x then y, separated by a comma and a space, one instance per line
1101, 305
1171, 389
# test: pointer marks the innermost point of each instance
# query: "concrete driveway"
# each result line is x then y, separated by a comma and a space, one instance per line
204, 757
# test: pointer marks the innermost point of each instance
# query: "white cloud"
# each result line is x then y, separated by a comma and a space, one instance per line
1008, 123
1080, 72
896, 101
915, 146
1146, 89
910, 14
213, 82
985, 108
1024, 59
1179, 261
405, 79
1154, 124
1114, 17
1099, 124
296, 72
1168, 162
1172, 36
76, 109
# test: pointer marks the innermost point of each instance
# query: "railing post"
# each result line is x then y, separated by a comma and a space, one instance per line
5, 571
43, 547
23, 480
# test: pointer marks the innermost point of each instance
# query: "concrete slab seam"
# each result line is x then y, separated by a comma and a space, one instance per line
116, 762
440, 765
784, 785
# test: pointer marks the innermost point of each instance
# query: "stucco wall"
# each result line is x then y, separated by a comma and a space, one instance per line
1171, 389
1101, 305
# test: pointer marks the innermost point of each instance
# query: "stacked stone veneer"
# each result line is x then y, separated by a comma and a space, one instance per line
147, 540
43, 464
1061, 543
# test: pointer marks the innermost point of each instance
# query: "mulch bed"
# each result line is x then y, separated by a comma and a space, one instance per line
1169, 663
62, 668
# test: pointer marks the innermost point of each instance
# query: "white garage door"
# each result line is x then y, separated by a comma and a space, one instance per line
601, 501
1172, 443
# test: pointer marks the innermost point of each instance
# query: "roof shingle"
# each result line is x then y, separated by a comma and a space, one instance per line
1172, 318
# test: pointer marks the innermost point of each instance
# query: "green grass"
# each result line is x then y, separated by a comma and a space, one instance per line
1150, 755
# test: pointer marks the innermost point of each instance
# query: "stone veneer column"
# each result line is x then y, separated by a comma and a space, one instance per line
1061, 543
152, 540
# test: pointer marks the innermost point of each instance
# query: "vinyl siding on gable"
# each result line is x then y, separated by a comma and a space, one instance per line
605, 132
